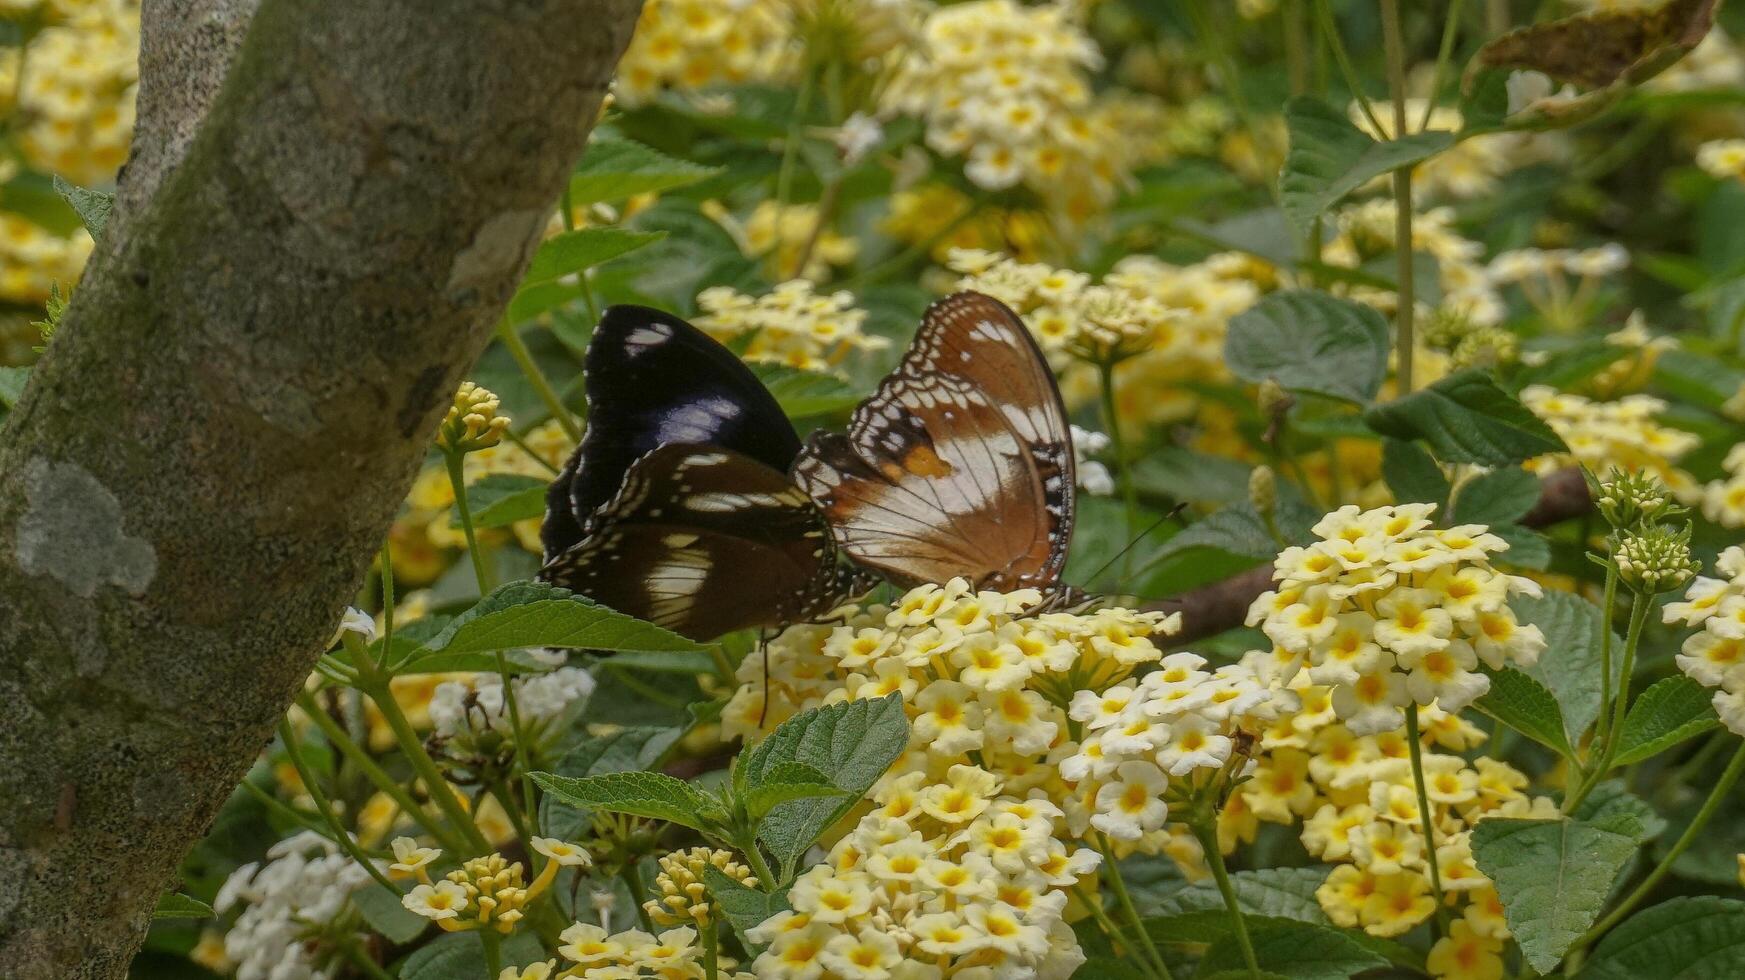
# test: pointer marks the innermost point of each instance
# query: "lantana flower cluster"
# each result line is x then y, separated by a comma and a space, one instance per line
1068, 312
791, 325
1723, 500
1366, 231
794, 241
1359, 810
1626, 434
1389, 611
489, 892
1007, 86
1715, 656
74, 114
296, 911
1469, 169
692, 44
958, 878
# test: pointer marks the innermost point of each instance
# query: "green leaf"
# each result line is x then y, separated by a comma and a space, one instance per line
461, 956
1183, 474
385, 913
1527, 548
1329, 158
746, 908
1571, 366
807, 393
1672, 711
1297, 950
643, 794
177, 906
614, 169
93, 206
1310, 341
1611, 806
12, 382
625, 750
1498, 498
1691, 938
1553, 877
1412, 474
584, 248
1596, 50
1527, 706
536, 614
1281, 893
783, 782
1570, 666
854, 742
1466, 418
686, 662
504, 498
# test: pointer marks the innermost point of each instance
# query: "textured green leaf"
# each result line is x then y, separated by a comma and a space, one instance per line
627, 749
614, 169
854, 742
584, 248
1298, 950
536, 614
688, 662
461, 956
1282, 893
504, 498
1466, 418
1522, 703
1693, 938
806, 393
1183, 474
1553, 877
1570, 666
1310, 341
783, 782
1329, 158
385, 913
177, 906
1611, 806
643, 794
1671, 711
92, 206
745, 907
1412, 474
1500, 497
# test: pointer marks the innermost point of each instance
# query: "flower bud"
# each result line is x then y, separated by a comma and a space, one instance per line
1656, 559
1263, 490
1633, 500
683, 895
472, 422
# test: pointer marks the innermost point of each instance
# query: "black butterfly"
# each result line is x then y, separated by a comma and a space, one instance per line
960, 464
677, 507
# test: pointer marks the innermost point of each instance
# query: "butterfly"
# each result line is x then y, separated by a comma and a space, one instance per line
960, 464
677, 507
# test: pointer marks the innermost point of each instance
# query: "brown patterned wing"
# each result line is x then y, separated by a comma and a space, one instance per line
704, 541
960, 463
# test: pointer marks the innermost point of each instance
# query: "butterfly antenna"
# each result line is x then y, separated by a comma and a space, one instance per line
1141, 536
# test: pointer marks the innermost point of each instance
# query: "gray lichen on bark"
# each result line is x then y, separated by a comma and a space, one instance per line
328, 211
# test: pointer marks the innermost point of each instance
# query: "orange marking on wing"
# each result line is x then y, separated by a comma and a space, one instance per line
923, 461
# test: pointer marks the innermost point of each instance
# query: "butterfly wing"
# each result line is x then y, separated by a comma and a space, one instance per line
652, 380
703, 541
961, 462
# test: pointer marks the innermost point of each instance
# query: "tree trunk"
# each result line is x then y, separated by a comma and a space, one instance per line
329, 205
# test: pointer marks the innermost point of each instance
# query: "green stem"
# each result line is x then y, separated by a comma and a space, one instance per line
1496, 16
1444, 53
541, 385
631, 875
294, 815
1426, 818
1206, 830
711, 956
1125, 900
363, 961
493, 952
372, 682
1112, 421
526, 754
1330, 31
790, 147
1116, 935
826, 209
1405, 327
324, 807
348, 747
1640, 607
1602, 723
463, 507
1296, 31
1704, 815
388, 598
921, 249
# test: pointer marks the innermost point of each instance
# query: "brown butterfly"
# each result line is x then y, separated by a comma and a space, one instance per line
960, 464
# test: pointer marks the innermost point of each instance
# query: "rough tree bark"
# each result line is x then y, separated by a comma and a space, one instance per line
330, 204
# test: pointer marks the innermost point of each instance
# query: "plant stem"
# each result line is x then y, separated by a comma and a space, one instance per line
517, 348
1640, 606
922, 249
348, 747
1125, 900
1602, 723
387, 561
1330, 31
1444, 52
1496, 19
631, 875
325, 807
711, 955
464, 507
493, 952
372, 682
1094, 904
526, 755
1426, 819
1396, 58
826, 209
1704, 815
1206, 831
1296, 31
361, 959
1112, 421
